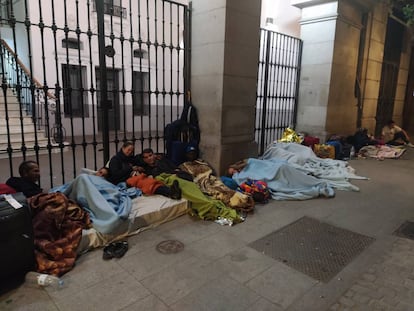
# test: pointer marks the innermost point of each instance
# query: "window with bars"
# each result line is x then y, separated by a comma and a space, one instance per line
114, 8
74, 93
140, 93
72, 43
5, 12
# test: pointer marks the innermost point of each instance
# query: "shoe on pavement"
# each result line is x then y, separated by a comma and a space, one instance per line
410, 145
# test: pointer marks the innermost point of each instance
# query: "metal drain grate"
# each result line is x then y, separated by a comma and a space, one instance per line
313, 247
170, 247
406, 230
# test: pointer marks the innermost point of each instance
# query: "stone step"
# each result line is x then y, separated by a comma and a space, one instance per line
17, 129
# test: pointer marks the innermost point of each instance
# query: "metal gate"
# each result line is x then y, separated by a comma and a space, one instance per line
277, 87
389, 74
80, 77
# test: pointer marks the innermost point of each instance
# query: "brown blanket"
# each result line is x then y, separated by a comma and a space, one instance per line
213, 186
57, 226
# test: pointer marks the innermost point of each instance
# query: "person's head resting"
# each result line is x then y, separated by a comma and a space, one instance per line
191, 153
29, 170
128, 148
231, 171
102, 172
391, 123
148, 156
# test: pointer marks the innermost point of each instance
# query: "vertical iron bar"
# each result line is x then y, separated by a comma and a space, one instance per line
187, 47
57, 94
298, 71
149, 81
102, 75
157, 93
92, 89
132, 92
142, 92
265, 89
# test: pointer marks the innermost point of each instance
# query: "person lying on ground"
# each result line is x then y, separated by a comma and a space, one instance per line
150, 186
107, 204
284, 181
212, 185
395, 135
28, 181
201, 205
156, 164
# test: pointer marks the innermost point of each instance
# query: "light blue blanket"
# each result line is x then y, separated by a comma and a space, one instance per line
284, 181
108, 205
335, 172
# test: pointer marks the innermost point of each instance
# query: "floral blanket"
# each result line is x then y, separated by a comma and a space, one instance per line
57, 226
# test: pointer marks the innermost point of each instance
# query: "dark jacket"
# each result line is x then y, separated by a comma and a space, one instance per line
120, 167
164, 165
21, 184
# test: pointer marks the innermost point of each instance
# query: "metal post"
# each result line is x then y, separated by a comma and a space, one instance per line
265, 90
103, 105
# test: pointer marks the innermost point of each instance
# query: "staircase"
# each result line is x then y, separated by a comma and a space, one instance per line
19, 129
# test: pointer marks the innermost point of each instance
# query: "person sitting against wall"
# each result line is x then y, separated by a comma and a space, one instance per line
123, 165
126, 167
28, 181
395, 135
361, 138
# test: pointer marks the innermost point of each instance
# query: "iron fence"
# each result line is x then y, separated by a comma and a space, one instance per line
80, 77
277, 87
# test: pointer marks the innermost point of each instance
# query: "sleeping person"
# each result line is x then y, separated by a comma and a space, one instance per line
284, 181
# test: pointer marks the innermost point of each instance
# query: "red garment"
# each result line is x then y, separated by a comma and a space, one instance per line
148, 185
6, 189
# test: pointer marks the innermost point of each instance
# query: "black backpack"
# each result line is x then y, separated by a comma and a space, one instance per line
182, 134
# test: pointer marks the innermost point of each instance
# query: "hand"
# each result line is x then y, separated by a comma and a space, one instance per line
138, 168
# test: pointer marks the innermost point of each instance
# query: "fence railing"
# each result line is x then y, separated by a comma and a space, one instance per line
277, 87
106, 74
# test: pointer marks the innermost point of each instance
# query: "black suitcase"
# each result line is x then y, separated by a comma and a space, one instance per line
16, 242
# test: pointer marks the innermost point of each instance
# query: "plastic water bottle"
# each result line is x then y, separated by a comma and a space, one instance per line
43, 280
352, 153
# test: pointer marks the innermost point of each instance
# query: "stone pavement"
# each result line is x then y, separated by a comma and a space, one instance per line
217, 270
387, 285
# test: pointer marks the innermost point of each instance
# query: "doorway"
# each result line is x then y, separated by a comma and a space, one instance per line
389, 74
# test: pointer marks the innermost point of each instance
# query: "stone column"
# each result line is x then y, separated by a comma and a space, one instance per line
225, 53
330, 31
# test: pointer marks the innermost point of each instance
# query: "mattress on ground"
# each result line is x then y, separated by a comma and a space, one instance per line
147, 212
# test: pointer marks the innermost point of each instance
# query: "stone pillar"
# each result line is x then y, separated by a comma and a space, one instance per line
330, 31
225, 52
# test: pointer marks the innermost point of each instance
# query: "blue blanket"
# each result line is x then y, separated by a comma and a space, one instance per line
284, 181
108, 205
335, 172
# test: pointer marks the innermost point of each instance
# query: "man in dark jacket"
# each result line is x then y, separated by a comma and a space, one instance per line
155, 164
27, 182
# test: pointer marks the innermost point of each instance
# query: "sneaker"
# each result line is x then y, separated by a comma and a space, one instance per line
175, 191
115, 250
410, 145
